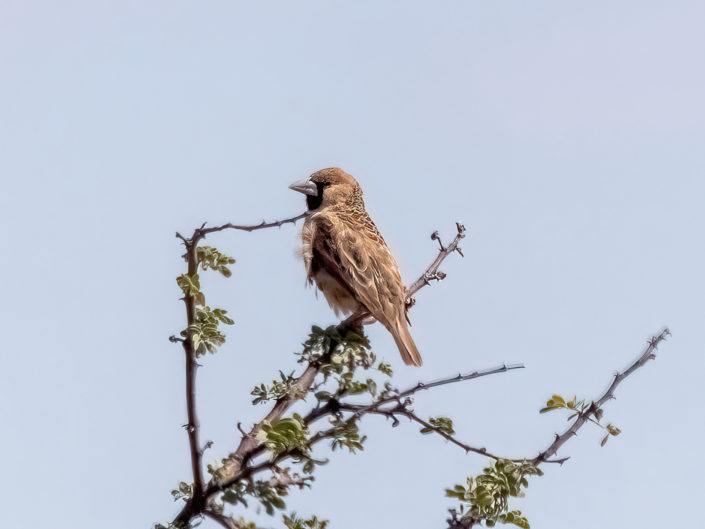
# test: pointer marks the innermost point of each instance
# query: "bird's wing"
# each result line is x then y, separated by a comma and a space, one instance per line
361, 264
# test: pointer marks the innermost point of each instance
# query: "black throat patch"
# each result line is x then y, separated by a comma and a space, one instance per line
314, 202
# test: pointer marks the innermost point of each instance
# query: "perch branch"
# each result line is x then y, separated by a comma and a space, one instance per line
249, 446
304, 382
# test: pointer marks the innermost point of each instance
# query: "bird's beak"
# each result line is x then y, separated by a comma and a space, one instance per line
305, 186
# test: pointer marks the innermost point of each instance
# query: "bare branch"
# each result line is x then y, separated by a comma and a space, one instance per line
432, 272
460, 378
648, 354
200, 233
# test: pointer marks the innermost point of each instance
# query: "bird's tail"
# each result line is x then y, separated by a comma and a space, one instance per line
409, 353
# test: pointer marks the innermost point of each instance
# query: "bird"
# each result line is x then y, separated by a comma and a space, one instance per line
347, 258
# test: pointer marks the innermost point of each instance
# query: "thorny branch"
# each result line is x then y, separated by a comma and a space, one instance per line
432, 272
235, 467
200, 233
402, 407
192, 426
459, 378
582, 418
459, 521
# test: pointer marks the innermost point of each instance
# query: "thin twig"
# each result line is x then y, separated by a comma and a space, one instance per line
432, 271
460, 378
646, 355
200, 233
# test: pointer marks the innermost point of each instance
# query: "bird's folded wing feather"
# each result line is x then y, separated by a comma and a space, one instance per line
361, 264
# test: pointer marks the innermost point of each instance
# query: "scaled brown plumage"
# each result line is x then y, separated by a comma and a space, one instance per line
347, 258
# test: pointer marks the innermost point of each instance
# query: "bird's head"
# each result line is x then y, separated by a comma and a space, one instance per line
326, 187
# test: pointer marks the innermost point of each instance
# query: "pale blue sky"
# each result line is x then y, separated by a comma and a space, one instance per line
567, 136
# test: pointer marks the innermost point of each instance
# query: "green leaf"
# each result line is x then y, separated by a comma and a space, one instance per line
211, 258
286, 387
487, 495
439, 424
189, 285
554, 403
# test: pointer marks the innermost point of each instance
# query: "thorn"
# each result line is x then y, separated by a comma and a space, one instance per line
460, 251
239, 427
436, 237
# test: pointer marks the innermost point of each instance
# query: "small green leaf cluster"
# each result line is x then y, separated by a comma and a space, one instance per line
269, 494
338, 358
351, 350
439, 424
611, 430
556, 402
209, 257
286, 387
204, 333
292, 521
346, 434
190, 285
287, 435
183, 492
487, 495
347, 385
